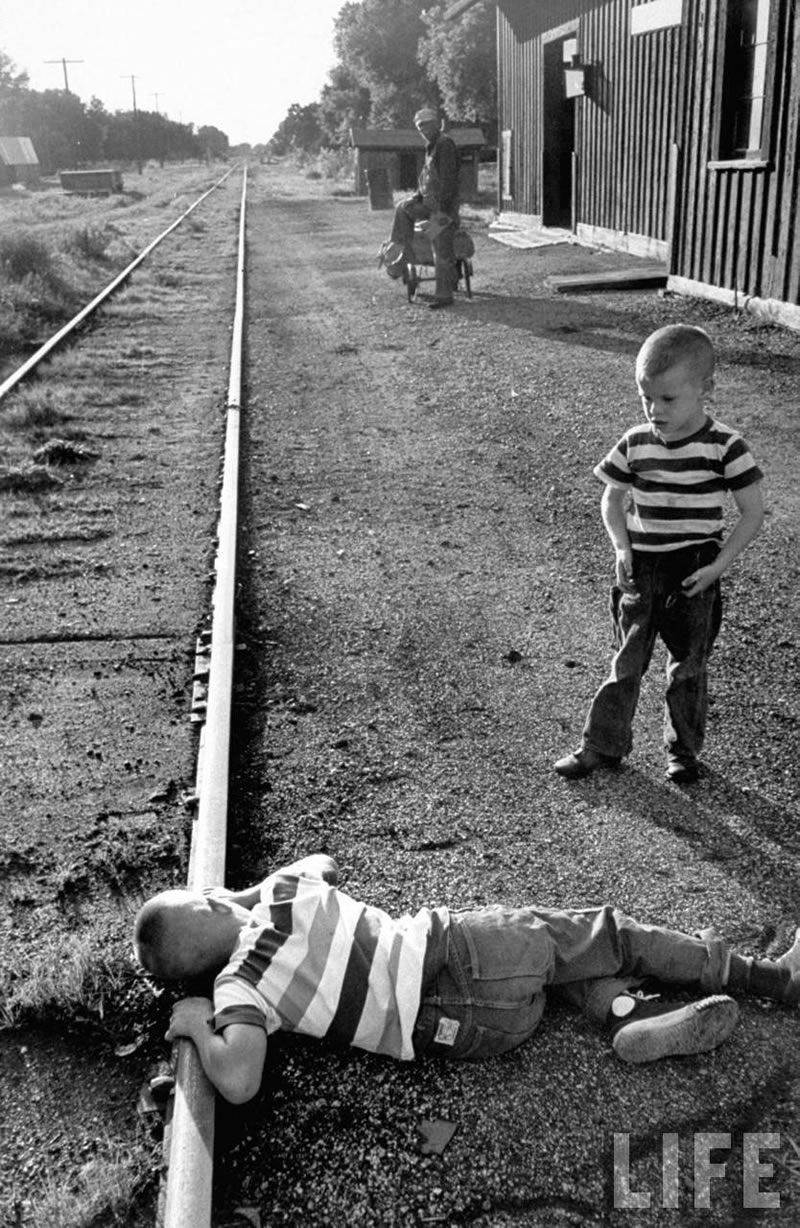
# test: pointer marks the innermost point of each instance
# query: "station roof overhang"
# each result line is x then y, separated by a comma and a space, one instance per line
409, 138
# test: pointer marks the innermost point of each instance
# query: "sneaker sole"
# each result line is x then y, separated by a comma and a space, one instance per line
694, 1028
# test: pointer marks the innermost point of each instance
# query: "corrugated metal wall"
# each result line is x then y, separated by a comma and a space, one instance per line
651, 93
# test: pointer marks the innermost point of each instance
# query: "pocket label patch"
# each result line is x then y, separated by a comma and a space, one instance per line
446, 1032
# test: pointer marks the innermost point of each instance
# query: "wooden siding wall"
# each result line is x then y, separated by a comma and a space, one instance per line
624, 126
737, 228
628, 123
520, 62
732, 228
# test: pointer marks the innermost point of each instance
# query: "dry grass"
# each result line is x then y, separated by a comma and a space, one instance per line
58, 251
103, 1191
72, 976
36, 407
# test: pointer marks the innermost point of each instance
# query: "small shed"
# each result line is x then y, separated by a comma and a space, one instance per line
18, 161
401, 153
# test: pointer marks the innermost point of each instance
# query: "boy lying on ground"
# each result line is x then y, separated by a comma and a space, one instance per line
297, 954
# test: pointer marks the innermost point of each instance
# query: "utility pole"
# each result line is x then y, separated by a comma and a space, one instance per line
160, 137
137, 143
74, 159
63, 64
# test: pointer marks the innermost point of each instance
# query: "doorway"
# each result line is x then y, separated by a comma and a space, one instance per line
558, 139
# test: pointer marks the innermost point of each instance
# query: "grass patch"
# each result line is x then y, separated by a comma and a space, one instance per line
73, 978
29, 479
35, 408
91, 243
58, 251
104, 1191
23, 255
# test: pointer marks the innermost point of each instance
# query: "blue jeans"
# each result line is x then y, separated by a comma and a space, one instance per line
486, 974
687, 625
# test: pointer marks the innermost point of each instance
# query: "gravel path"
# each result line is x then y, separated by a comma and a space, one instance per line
425, 599
424, 581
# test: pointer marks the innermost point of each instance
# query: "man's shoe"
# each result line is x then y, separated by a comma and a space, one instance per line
682, 771
655, 1029
438, 303
583, 762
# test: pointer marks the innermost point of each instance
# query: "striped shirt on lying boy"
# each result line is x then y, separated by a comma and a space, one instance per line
314, 960
679, 489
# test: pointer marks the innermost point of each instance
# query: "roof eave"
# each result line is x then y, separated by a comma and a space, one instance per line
460, 6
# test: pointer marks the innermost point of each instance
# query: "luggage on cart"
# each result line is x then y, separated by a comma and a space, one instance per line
390, 257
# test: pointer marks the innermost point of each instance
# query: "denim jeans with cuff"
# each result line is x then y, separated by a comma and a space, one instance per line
687, 625
487, 972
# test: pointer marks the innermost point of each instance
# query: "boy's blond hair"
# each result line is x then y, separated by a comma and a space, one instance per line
673, 344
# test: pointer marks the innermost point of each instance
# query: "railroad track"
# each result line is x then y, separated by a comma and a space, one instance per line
188, 1147
418, 653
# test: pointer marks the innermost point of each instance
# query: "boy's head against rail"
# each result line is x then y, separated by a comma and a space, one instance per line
181, 934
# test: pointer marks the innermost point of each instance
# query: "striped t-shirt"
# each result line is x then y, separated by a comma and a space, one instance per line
678, 489
314, 960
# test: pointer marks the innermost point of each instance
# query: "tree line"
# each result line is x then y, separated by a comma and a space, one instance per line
395, 56
67, 133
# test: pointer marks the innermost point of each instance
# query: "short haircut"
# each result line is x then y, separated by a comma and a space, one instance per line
158, 939
673, 344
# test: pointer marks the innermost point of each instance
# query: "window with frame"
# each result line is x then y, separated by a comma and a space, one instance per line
744, 131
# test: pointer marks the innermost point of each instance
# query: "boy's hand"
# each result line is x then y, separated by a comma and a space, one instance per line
190, 1017
624, 571
700, 580
233, 1059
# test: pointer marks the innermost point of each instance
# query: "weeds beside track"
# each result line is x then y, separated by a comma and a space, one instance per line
97, 646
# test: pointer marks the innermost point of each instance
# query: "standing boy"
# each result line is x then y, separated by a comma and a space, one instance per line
663, 507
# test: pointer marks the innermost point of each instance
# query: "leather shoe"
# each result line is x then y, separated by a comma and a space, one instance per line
682, 771
583, 762
438, 303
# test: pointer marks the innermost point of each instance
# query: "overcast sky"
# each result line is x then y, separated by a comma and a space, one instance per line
236, 64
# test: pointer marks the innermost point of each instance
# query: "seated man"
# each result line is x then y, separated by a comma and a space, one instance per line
297, 954
436, 200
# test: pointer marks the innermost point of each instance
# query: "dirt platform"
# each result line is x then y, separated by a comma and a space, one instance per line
424, 584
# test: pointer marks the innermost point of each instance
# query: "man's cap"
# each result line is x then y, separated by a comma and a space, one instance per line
426, 115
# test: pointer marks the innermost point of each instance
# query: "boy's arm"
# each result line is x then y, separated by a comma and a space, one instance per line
750, 502
317, 865
233, 1059
612, 509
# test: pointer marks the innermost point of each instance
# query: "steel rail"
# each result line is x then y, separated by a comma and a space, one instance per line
45, 350
189, 1144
